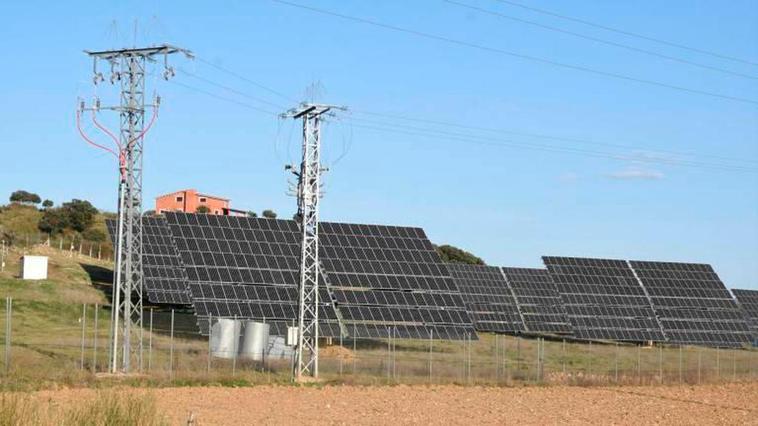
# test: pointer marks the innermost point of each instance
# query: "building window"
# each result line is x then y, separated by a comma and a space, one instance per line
179, 199
216, 212
203, 199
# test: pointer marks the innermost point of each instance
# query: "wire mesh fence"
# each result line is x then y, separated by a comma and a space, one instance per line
71, 245
60, 342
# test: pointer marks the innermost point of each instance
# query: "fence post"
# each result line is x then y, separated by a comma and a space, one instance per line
496, 354
150, 343
660, 364
563, 358
699, 363
589, 359
639, 363
84, 331
681, 361
355, 348
171, 350
99, 252
734, 365
210, 333
8, 330
616, 363
235, 348
537, 363
94, 342
341, 352
431, 336
389, 354
505, 358
718, 364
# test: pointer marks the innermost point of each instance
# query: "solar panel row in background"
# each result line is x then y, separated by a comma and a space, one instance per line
692, 304
748, 301
488, 298
604, 299
388, 280
538, 300
244, 268
164, 278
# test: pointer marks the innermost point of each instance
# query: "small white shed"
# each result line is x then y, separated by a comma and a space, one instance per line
34, 268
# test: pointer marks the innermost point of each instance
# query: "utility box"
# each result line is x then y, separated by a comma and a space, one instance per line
34, 268
291, 336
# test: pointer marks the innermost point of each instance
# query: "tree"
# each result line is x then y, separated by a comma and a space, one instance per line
453, 254
252, 214
80, 214
202, 210
53, 221
24, 197
47, 204
269, 214
94, 234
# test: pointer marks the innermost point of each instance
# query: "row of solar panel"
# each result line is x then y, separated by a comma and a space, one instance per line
589, 297
608, 299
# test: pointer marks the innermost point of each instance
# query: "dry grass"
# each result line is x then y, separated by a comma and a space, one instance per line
105, 409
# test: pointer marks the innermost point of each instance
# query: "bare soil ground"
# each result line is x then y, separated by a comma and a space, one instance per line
707, 404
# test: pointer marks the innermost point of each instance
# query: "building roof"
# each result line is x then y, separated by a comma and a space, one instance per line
193, 190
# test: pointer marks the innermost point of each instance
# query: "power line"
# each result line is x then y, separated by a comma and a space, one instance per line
629, 33
230, 89
496, 131
496, 142
223, 98
515, 54
393, 126
243, 78
598, 40
544, 136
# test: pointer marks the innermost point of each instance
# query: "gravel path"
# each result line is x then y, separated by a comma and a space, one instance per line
709, 404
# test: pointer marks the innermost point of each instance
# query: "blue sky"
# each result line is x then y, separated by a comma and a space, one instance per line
509, 200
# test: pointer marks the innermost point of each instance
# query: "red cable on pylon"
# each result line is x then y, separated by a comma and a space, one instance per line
105, 130
121, 156
90, 141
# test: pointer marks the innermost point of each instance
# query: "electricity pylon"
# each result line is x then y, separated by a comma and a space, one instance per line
127, 68
308, 194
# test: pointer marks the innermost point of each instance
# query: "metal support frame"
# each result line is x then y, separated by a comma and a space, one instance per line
308, 194
128, 67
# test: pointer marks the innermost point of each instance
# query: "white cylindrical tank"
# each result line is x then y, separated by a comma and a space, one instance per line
225, 334
254, 340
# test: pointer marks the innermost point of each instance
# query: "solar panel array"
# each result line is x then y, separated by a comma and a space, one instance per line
604, 299
389, 279
489, 299
245, 268
164, 279
692, 304
538, 300
748, 301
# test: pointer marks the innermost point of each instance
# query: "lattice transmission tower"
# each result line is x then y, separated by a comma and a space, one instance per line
308, 195
127, 69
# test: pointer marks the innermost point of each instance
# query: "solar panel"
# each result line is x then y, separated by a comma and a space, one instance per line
164, 279
244, 268
692, 304
604, 299
538, 300
389, 280
748, 301
489, 299
374, 279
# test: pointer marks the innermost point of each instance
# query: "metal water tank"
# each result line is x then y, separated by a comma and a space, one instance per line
225, 335
254, 340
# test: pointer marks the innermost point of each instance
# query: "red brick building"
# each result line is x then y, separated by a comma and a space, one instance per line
189, 200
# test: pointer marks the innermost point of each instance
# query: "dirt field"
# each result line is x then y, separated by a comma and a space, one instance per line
713, 404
